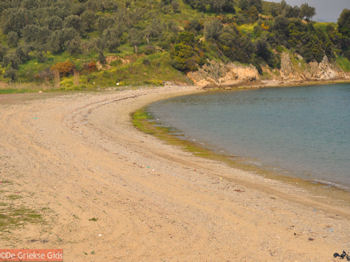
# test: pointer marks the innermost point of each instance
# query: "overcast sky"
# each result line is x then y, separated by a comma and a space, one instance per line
327, 10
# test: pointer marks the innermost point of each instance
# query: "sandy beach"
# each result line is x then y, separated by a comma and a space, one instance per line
108, 192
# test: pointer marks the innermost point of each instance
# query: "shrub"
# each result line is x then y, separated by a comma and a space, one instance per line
64, 68
91, 67
186, 55
149, 50
44, 75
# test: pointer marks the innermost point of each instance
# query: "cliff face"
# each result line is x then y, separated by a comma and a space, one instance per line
219, 74
295, 69
216, 74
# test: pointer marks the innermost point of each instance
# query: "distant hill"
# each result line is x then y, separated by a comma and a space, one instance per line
100, 43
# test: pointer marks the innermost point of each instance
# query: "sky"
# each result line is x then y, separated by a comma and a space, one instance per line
326, 10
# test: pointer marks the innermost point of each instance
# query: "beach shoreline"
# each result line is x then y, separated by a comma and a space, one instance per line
119, 194
174, 136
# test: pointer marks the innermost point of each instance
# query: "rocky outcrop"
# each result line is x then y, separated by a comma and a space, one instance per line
325, 70
298, 70
220, 74
293, 69
287, 68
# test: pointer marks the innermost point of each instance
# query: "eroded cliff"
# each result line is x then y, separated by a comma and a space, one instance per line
293, 69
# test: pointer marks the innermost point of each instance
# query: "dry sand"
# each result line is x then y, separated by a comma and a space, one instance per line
80, 156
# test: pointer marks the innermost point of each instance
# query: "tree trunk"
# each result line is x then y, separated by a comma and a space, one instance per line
57, 79
76, 78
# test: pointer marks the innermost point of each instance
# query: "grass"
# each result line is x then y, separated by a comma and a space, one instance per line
247, 28
12, 217
154, 69
13, 213
343, 63
16, 91
14, 197
323, 25
27, 72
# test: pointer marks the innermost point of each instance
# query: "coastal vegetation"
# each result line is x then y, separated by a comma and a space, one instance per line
93, 44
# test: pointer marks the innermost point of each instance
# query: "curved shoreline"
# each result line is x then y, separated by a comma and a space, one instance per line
316, 191
128, 196
148, 125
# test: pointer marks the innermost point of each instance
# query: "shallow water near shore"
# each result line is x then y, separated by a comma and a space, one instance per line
298, 131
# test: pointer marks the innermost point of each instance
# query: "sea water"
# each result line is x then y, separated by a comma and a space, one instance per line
297, 131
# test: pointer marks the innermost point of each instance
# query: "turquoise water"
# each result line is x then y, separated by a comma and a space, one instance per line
298, 131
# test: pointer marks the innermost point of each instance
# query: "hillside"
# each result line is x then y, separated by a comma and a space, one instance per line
95, 44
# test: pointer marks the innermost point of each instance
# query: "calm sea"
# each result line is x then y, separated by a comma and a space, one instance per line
298, 131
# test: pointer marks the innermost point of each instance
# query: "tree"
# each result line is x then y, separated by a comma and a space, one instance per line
212, 29
197, 4
94, 5
60, 40
3, 52
253, 14
307, 11
74, 46
222, 6
186, 54
16, 20
344, 23
246, 4
11, 60
22, 52
11, 73
344, 30
101, 57
283, 4
194, 26
30, 4
154, 30
263, 50
311, 49
234, 45
77, 9
88, 20
257, 4
73, 21
55, 43
292, 11
136, 38
175, 6
184, 57
112, 38
12, 39
104, 23
109, 5
35, 34
54, 23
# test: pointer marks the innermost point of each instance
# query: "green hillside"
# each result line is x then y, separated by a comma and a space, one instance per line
102, 43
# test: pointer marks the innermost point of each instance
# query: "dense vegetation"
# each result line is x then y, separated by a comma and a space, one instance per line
149, 41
